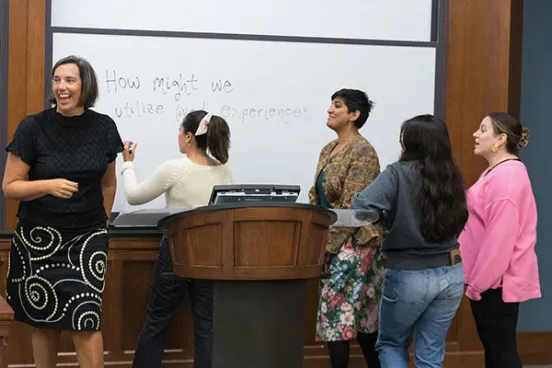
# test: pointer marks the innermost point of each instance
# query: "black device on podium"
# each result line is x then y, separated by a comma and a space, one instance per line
248, 193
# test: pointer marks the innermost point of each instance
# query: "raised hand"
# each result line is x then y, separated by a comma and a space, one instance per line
129, 151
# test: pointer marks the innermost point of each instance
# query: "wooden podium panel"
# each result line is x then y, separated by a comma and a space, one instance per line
258, 256
250, 243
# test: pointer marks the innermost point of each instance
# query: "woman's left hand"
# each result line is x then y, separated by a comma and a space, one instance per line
129, 151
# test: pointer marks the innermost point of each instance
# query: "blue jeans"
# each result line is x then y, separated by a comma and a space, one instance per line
166, 296
422, 302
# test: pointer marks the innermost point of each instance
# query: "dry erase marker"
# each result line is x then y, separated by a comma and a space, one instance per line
130, 148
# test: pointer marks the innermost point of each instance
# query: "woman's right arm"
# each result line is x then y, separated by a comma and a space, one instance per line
155, 185
380, 195
17, 186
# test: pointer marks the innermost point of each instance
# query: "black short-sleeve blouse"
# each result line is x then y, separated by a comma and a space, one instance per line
77, 148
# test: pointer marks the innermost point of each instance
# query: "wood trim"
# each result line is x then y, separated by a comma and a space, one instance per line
17, 63
122, 326
26, 36
4, 18
17, 81
515, 57
534, 347
483, 75
483, 70
36, 35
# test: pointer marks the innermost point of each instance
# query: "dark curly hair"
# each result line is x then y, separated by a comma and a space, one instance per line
442, 195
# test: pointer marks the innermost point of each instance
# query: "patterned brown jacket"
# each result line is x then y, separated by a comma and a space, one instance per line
346, 173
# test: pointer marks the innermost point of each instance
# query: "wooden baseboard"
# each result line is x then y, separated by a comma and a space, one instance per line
452, 360
131, 262
535, 347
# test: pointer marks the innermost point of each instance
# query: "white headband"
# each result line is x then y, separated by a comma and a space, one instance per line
204, 125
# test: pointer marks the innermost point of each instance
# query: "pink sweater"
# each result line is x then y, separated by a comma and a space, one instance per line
498, 242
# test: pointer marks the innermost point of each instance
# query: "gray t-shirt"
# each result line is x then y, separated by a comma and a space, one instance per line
395, 191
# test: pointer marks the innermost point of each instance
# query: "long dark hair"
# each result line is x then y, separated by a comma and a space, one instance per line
217, 139
442, 194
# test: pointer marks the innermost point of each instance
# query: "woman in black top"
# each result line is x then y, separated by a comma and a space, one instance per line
61, 167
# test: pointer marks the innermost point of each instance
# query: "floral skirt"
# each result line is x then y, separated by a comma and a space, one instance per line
349, 297
56, 277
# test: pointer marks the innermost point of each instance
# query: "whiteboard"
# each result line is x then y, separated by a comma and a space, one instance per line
401, 20
274, 96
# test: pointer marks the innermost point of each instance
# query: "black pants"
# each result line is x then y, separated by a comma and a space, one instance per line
496, 323
166, 295
339, 351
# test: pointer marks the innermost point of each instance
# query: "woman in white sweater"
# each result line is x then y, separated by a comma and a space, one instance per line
187, 183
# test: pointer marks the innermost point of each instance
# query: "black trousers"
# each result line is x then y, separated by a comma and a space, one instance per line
496, 323
166, 296
339, 351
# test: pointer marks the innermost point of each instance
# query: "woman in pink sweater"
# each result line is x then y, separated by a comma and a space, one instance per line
498, 241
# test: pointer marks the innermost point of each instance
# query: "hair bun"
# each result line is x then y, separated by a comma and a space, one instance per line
524, 139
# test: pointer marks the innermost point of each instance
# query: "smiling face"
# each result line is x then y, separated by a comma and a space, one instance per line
67, 89
486, 138
339, 116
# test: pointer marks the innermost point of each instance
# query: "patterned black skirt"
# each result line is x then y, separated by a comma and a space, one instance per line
56, 277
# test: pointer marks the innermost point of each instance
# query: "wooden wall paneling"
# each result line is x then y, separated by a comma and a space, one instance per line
4, 17
4, 255
132, 286
26, 35
483, 70
483, 75
17, 81
534, 347
36, 34
113, 317
465, 54
464, 92
515, 57
17, 63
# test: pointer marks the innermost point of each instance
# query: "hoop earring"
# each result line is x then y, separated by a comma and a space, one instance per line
494, 148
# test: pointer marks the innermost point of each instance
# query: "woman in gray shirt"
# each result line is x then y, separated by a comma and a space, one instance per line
422, 200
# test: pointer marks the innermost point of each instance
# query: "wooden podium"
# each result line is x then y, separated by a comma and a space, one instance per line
259, 256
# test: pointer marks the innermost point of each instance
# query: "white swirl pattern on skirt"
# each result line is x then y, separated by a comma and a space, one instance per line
86, 319
39, 277
36, 240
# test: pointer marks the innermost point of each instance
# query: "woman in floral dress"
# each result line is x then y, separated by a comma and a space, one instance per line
351, 284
